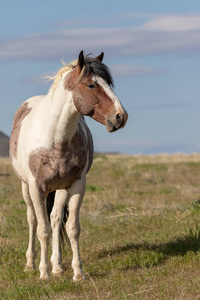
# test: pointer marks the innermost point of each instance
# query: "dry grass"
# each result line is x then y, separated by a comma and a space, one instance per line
140, 234
160, 158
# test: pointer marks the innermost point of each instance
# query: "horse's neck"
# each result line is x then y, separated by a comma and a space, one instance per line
63, 117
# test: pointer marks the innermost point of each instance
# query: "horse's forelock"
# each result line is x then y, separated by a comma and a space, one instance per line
91, 66
95, 67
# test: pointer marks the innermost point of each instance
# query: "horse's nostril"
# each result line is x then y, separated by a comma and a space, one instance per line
120, 119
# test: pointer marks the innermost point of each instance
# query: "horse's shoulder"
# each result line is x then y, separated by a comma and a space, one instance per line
20, 114
24, 109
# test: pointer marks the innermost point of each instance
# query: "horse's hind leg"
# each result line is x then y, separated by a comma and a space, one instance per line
73, 226
56, 222
32, 222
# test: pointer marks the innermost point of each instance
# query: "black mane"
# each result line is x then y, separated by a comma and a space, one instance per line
94, 66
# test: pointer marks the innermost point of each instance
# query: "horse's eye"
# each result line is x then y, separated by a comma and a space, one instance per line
91, 86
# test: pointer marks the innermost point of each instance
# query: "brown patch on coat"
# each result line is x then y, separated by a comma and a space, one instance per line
20, 114
60, 166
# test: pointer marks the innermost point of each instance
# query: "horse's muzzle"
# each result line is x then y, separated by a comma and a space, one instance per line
116, 122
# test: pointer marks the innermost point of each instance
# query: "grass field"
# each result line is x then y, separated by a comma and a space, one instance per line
140, 235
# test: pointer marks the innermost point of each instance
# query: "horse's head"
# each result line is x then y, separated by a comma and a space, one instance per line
90, 83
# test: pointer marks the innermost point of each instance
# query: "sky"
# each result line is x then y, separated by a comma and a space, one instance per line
152, 48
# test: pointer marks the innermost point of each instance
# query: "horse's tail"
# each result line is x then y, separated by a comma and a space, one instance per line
63, 234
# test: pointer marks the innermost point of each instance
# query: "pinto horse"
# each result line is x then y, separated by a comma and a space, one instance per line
51, 150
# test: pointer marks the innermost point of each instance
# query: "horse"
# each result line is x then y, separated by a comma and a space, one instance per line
51, 151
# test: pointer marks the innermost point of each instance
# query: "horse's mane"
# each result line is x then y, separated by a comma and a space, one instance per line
57, 78
92, 66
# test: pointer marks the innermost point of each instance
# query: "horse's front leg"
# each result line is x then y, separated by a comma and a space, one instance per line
32, 222
76, 194
43, 228
56, 222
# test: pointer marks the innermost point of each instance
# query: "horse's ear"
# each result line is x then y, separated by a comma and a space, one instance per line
81, 60
100, 57
71, 78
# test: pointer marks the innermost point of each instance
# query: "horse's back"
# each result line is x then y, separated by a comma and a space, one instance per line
21, 114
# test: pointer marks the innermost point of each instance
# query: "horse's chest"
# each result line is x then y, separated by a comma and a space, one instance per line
61, 165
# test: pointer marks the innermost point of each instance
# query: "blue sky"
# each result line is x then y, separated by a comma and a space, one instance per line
151, 47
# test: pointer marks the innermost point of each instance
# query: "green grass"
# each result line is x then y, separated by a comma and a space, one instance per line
93, 188
140, 236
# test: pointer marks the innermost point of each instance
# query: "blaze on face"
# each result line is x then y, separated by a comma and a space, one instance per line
90, 82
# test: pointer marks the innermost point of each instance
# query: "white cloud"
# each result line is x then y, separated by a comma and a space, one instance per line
162, 34
174, 22
38, 78
116, 70
133, 70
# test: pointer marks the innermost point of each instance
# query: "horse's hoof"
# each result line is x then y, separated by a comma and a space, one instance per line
79, 277
58, 274
29, 268
44, 276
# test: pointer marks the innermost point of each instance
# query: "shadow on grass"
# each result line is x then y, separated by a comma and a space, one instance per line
4, 174
163, 251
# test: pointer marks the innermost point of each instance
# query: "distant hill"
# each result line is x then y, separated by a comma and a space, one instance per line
4, 145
